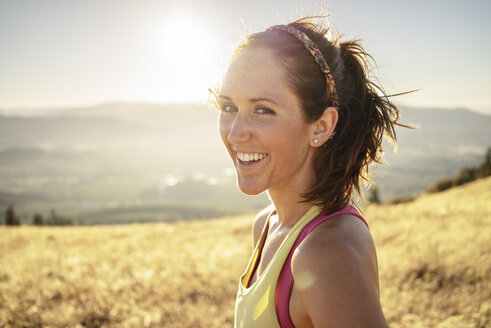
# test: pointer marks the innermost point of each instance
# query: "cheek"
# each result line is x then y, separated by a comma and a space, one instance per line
293, 144
293, 136
223, 129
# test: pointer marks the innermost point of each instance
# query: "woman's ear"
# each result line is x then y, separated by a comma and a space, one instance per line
324, 127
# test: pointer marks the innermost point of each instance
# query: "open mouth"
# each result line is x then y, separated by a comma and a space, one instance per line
250, 158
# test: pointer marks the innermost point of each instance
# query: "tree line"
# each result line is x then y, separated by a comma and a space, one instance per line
465, 175
12, 219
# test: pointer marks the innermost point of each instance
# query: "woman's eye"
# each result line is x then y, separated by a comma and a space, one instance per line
264, 110
227, 108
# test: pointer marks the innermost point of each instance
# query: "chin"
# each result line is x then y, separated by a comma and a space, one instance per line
250, 190
251, 193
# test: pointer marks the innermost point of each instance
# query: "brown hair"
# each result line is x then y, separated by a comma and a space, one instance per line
365, 112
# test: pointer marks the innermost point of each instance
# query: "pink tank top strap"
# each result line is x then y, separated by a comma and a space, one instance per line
284, 285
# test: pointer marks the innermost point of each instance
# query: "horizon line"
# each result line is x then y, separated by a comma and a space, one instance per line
202, 102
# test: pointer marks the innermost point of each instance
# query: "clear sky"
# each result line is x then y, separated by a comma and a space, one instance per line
75, 53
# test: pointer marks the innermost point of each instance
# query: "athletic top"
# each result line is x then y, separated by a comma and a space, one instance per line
265, 303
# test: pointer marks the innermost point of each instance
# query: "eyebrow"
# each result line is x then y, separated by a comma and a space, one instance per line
251, 99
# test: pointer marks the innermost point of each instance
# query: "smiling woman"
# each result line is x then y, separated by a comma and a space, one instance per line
301, 120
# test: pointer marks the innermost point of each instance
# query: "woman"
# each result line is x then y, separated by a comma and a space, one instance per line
302, 121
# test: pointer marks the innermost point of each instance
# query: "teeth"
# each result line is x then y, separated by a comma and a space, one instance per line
248, 157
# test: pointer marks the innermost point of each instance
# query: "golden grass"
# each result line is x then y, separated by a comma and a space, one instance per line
434, 260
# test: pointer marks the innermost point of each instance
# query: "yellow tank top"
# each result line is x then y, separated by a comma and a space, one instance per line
255, 305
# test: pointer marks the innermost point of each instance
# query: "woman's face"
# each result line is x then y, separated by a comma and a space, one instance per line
262, 125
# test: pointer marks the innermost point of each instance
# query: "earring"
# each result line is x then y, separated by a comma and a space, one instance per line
316, 141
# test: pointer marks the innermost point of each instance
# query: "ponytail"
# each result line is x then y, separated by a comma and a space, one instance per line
366, 115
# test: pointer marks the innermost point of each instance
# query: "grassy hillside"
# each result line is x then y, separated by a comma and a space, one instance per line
434, 259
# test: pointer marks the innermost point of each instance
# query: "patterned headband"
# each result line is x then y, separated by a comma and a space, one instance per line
316, 53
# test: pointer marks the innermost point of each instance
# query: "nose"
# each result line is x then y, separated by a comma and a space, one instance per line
240, 129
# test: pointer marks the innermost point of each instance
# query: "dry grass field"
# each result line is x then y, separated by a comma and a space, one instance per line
434, 260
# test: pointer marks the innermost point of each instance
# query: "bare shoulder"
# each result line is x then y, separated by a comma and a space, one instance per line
344, 233
343, 241
335, 268
260, 221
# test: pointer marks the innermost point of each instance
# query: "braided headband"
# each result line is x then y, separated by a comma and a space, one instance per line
316, 53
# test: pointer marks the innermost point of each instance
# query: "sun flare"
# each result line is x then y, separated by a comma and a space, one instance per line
186, 55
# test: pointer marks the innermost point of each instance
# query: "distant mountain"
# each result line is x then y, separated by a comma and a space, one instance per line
443, 142
109, 125
103, 156
438, 130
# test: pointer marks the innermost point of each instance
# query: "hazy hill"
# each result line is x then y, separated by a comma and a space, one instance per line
433, 255
459, 131
93, 162
443, 142
123, 125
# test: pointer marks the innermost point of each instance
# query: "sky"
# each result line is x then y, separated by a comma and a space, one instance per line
66, 53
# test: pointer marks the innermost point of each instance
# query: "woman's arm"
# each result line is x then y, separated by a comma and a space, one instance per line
335, 275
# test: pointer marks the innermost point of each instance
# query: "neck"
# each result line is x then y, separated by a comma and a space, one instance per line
290, 209
287, 198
